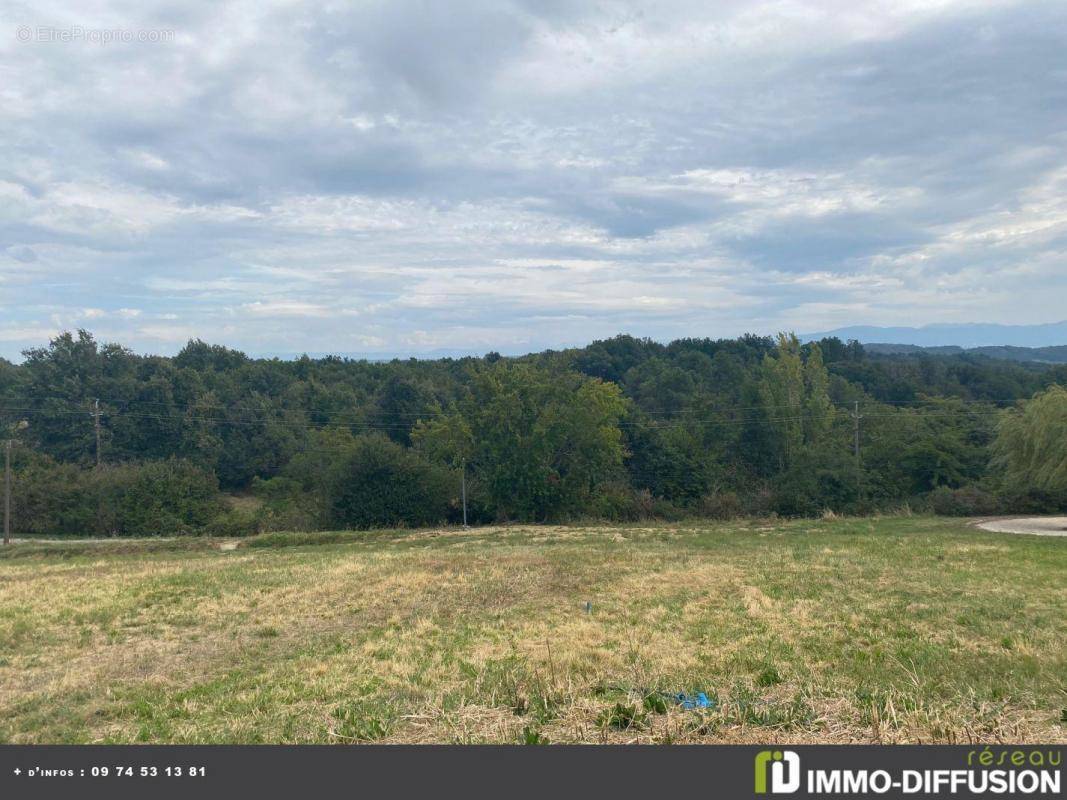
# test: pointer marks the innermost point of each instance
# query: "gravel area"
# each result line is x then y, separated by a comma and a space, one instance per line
1039, 526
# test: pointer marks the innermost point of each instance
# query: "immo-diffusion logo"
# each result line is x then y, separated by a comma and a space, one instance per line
784, 769
1021, 771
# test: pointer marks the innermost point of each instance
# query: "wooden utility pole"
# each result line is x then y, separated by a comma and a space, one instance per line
96, 424
7, 477
856, 429
7, 492
464, 485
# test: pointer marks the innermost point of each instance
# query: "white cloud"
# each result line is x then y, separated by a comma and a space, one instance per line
531, 175
286, 309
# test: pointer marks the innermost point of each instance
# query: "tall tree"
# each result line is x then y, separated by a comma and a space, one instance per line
796, 399
538, 443
1031, 443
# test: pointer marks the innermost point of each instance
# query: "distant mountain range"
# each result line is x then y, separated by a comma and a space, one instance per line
966, 335
1046, 343
1047, 355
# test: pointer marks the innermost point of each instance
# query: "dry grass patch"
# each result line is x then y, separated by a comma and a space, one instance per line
846, 630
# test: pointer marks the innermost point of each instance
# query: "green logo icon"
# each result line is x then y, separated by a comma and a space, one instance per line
775, 762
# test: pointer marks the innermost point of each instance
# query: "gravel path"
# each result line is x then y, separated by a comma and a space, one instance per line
1039, 526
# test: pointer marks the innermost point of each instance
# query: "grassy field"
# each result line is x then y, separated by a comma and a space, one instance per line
887, 630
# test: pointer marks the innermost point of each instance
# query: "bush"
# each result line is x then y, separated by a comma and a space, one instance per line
152, 498
51, 499
968, 501
818, 482
156, 498
234, 522
382, 484
759, 502
644, 504
721, 505
619, 503
1033, 501
668, 511
293, 519
287, 506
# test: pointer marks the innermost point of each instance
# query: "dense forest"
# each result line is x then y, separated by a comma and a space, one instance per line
108, 442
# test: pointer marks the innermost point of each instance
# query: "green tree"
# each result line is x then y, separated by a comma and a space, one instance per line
795, 395
401, 403
63, 379
782, 391
818, 410
1031, 443
537, 442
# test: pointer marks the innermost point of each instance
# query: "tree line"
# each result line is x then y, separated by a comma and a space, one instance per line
211, 440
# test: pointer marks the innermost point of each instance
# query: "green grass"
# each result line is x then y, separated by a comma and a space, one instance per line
893, 629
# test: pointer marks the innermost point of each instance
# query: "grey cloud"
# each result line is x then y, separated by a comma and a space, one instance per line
21, 253
629, 216
833, 242
389, 161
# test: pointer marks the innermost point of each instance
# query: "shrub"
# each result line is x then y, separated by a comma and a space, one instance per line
50, 498
758, 502
666, 510
968, 501
1033, 501
234, 522
156, 498
618, 504
287, 506
382, 484
721, 505
294, 519
818, 482
152, 498
644, 503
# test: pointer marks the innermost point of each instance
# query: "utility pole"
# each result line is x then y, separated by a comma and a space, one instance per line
96, 423
7, 477
464, 485
856, 429
7, 493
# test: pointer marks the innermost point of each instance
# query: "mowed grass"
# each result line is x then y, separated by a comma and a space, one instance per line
869, 630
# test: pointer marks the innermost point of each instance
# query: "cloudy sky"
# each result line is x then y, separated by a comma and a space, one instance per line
411, 177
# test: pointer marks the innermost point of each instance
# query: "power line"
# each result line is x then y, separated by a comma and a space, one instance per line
306, 427
127, 402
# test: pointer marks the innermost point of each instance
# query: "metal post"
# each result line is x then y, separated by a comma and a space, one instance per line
464, 494
7, 493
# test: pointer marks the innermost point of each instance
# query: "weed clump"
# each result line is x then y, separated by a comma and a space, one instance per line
655, 703
361, 721
533, 736
623, 716
768, 676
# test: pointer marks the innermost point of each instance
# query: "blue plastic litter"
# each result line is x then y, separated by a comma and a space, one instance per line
698, 700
